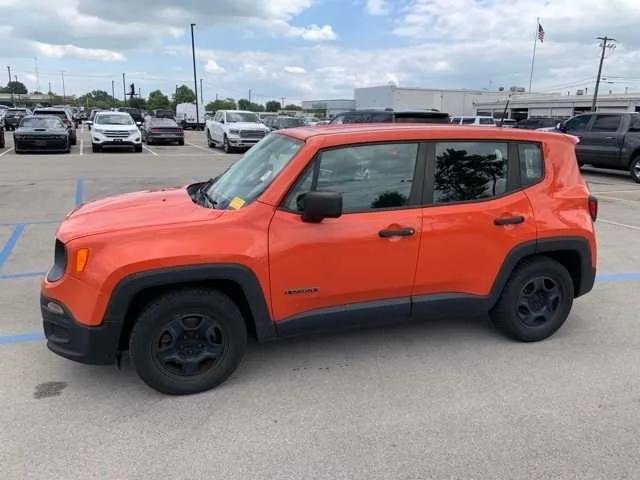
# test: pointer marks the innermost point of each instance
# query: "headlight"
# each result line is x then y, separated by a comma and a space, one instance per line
133, 132
97, 130
233, 131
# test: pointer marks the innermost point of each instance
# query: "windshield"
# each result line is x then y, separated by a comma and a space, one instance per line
41, 122
248, 178
291, 122
242, 117
113, 119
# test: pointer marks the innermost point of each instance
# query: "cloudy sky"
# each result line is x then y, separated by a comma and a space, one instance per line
310, 49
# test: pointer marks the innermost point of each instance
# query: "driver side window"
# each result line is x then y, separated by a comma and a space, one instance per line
369, 177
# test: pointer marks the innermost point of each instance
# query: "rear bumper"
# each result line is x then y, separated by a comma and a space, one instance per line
69, 339
165, 137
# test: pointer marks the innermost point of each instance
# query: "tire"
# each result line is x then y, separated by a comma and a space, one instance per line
137, 148
215, 329
210, 142
95, 148
226, 145
180, 142
68, 147
536, 300
634, 169
74, 140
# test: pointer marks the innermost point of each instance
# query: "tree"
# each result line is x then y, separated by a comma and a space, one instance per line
244, 104
97, 99
158, 100
184, 95
226, 104
137, 102
14, 87
291, 106
273, 106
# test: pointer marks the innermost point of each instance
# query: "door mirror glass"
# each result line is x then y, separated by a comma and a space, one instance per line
317, 206
560, 127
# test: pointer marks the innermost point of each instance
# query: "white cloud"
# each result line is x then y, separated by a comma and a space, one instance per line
59, 51
318, 34
212, 67
291, 69
377, 7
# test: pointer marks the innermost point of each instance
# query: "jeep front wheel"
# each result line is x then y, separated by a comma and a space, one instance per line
188, 341
536, 300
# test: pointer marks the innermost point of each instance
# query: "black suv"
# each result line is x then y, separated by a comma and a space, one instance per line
607, 140
391, 116
534, 123
13, 116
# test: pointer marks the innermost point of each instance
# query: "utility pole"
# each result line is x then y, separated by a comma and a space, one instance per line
37, 75
113, 92
201, 94
8, 84
195, 76
283, 99
124, 90
249, 95
49, 92
606, 43
64, 92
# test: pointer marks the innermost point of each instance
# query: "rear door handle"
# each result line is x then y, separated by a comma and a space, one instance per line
513, 220
397, 232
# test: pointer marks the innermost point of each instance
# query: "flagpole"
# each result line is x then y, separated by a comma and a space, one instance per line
533, 58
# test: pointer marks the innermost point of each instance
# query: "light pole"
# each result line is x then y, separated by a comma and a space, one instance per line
64, 92
124, 90
195, 77
113, 92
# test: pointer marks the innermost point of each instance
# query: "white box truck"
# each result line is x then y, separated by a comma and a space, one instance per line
186, 116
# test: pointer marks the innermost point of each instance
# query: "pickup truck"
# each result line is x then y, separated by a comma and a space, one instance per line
607, 140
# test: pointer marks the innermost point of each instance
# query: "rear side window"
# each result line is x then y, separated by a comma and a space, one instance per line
635, 124
468, 121
530, 163
470, 171
606, 123
486, 121
369, 177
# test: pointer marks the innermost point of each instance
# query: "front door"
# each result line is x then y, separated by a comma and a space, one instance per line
357, 267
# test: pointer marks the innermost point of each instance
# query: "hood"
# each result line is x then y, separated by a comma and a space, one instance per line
133, 210
247, 125
40, 131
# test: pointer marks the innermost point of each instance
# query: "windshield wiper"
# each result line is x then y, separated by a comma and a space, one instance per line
204, 194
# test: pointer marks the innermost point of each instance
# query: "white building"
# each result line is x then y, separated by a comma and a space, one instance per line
556, 105
329, 108
454, 102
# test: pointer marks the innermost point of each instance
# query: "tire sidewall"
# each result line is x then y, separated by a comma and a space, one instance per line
508, 302
154, 319
632, 169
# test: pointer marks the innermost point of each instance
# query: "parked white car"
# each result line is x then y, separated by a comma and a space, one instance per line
115, 129
477, 120
235, 129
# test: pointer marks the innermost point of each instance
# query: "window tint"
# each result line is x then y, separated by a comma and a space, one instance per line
469, 171
368, 176
635, 123
578, 124
468, 120
606, 123
530, 163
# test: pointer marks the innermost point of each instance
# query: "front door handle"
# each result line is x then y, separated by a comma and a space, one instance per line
397, 232
513, 220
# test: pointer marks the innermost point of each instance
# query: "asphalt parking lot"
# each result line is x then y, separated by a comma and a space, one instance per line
432, 399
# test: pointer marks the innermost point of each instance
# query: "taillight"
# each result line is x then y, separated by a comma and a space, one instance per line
593, 207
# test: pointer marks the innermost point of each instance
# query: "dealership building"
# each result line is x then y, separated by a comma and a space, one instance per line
328, 108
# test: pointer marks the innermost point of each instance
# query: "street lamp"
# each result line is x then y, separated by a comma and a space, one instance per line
195, 77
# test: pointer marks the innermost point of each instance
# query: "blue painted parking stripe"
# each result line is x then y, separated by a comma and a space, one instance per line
10, 243
27, 222
21, 338
618, 277
79, 191
13, 276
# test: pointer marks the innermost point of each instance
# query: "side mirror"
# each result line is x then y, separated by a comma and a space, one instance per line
561, 127
316, 206
222, 120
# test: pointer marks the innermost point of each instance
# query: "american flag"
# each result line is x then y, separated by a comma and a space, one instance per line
540, 33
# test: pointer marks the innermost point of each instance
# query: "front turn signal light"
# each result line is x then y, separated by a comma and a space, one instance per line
82, 256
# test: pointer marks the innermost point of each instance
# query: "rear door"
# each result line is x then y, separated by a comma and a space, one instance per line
601, 142
475, 213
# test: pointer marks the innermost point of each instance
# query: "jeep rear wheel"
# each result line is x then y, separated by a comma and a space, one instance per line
634, 169
536, 300
188, 341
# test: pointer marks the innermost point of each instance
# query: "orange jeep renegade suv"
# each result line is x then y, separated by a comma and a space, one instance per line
324, 227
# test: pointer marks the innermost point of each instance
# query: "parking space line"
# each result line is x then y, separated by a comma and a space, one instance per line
4, 153
10, 243
618, 277
79, 191
198, 147
149, 150
81, 146
610, 222
14, 276
21, 338
27, 222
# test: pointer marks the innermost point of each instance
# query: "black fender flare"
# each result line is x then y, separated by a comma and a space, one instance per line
127, 288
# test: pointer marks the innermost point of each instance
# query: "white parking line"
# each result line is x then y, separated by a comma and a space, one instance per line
81, 146
148, 149
610, 222
4, 153
198, 147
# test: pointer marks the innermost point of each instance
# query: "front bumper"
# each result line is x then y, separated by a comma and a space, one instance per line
243, 142
69, 339
35, 145
101, 139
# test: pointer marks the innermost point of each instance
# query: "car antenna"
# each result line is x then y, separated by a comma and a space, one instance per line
504, 112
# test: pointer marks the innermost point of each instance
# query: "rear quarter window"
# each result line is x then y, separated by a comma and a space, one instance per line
531, 163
